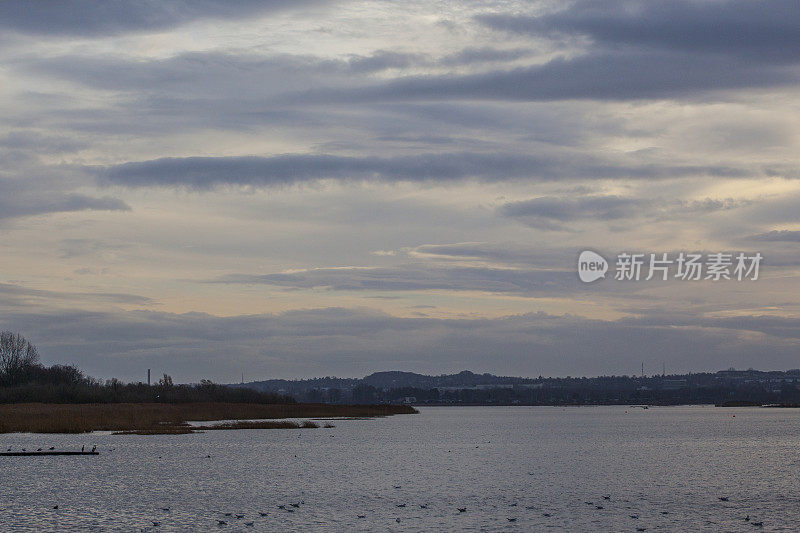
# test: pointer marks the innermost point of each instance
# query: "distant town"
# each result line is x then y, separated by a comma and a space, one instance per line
725, 387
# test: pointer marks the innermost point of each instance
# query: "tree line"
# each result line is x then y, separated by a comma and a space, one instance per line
24, 379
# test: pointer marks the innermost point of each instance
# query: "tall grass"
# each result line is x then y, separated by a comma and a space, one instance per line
165, 418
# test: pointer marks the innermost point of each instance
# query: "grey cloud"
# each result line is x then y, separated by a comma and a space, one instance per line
621, 75
777, 236
546, 210
641, 50
18, 295
206, 172
87, 18
498, 253
190, 74
33, 141
418, 278
552, 212
752, 30
20, 198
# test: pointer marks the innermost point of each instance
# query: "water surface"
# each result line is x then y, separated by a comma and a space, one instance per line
667, 466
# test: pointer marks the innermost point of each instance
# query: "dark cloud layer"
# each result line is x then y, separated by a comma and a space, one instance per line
205, 172
640, 50
553, 212
777, 236
761, 31
19, 199
87, 18
621, 75
355, 342
23, 296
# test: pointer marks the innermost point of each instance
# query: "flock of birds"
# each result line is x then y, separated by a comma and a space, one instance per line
600, 507
228, 518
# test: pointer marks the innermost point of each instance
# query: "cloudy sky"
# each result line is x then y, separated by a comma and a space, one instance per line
307, 188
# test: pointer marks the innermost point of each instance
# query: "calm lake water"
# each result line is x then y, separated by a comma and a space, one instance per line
668, 466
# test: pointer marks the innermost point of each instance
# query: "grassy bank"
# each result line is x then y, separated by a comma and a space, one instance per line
154, 418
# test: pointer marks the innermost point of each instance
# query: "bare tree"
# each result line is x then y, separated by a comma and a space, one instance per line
16, 354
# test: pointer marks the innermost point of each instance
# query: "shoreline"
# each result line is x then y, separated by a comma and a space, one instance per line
163, 418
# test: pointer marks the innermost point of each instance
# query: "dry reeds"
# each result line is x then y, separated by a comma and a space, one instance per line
153, 418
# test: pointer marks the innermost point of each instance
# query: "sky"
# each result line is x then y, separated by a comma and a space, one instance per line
290, 189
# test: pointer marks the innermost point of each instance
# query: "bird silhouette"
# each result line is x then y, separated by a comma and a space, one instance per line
249, 524
38, 449
512, 519
55, 507
634, 516
262, 514
606, 497
462, 509
723, 498
758, 524
599, 507
362, 516
423, 506
52, 448
747, 518
401, 505
165, 509
222, 522
155, 524
546, 514
281, 507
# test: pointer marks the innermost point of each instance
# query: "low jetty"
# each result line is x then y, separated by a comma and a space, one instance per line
26, 454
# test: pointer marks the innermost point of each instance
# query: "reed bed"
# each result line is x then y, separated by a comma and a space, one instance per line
162, 418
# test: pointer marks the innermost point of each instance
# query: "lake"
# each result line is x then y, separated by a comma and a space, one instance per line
589, 468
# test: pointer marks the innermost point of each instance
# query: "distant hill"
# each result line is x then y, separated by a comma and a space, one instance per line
462, 379
748, 386
388, 380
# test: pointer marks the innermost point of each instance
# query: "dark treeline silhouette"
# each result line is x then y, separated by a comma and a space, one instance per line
726, 387
24, 379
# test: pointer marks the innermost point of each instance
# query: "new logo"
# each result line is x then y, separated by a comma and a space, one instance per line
591, 266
